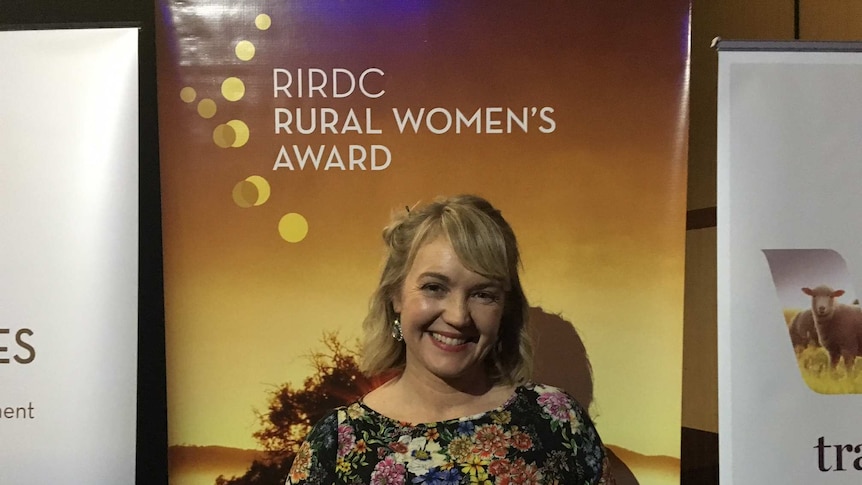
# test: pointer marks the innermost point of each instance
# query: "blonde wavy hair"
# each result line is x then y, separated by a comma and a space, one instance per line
485, 244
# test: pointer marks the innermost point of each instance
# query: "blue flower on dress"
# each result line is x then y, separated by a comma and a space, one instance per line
436, 476
451, 476
466, 427
329, 440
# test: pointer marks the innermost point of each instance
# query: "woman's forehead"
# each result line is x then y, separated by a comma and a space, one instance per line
439, 257
436, 253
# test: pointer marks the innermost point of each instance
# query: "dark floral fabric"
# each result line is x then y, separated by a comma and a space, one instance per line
539, 436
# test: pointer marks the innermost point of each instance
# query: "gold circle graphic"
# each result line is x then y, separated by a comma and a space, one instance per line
224, 136
262, 21
244, 50
232, 89
244, 194
263, 188
207, 108
293, 227
241, 133
188, 94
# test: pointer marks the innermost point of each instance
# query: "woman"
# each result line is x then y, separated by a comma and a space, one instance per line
448, 323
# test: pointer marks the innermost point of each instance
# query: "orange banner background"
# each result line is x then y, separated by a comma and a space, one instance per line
596, 195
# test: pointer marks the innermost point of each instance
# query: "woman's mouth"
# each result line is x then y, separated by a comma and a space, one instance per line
449, 342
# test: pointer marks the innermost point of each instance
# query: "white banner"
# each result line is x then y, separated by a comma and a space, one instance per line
68, 256
789, 264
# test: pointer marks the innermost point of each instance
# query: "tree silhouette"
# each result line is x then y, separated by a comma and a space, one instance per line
336, 381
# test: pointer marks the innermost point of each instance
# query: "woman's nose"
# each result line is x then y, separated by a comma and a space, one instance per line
457, 312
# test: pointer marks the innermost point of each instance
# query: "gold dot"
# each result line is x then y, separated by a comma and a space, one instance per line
293, 227
262, 21
245, 194
188, 94
263, 188
240, 130
232, 89
207, 108
224, 136
244, 50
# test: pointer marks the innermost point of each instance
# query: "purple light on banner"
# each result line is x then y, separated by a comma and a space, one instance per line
685, 30
164, 12
383, 13
681, 134
793, 269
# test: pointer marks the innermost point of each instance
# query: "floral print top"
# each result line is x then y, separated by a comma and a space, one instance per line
541, 435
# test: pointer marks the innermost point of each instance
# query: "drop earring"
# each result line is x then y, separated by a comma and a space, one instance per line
396, 330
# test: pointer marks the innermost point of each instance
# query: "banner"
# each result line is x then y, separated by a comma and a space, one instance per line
290, 131
69, 258
790, 326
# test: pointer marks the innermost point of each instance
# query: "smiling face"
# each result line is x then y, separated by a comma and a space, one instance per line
450, 317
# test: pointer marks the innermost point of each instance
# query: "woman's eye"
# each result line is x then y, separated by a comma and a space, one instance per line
433, 288
487, 296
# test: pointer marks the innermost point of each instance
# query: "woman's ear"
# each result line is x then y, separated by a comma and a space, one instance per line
396, 303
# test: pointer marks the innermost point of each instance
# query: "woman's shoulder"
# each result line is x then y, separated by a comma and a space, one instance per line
550, 404
535, 391
324, 427
541, 388
335, 417
561, 421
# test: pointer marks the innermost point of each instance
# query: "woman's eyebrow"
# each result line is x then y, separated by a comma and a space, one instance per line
487, 284
432, 274
478, 286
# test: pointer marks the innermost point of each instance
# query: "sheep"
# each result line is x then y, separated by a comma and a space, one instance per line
839, 326
802, 331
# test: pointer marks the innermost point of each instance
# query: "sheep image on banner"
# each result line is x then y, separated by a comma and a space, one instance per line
823, 327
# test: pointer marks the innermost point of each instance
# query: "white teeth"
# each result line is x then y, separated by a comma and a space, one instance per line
448, 340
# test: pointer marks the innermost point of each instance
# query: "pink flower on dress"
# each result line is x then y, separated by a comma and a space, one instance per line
556, 404
346, 440
490, 441
521, 473
531, 475
388, 472
400, 446
499, 467
521, 440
